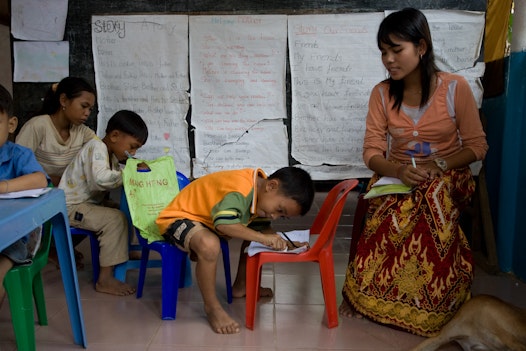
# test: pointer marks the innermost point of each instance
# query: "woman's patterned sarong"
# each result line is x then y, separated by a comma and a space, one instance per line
413, 268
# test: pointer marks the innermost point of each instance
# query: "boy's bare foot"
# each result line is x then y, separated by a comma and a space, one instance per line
348, 311
221, 322
114, 287
241, 292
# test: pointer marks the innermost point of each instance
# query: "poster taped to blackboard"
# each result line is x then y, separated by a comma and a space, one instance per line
141, 64
237, 65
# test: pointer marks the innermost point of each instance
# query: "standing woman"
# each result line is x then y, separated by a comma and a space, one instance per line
59, 132
413, 268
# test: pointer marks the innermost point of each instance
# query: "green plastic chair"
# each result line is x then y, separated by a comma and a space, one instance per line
22, 283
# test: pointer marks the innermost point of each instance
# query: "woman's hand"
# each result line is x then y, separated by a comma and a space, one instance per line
412, 176
433, 170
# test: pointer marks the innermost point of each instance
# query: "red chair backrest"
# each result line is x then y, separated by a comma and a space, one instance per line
327, 219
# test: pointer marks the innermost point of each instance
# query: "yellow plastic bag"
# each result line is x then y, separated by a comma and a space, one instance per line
148, 192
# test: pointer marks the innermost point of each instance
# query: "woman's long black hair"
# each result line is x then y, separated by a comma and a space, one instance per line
411, 25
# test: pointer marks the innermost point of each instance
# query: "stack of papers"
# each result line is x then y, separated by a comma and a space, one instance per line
295, 235
387, 185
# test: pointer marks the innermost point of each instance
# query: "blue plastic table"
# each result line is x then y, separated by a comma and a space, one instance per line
19, 216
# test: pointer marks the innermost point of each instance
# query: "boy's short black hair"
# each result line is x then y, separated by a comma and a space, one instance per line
130, 123
6, 102
296, 184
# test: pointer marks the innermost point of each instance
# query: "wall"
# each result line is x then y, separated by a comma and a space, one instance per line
507, 139
78, 28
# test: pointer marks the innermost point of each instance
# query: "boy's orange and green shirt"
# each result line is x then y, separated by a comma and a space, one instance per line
225, 197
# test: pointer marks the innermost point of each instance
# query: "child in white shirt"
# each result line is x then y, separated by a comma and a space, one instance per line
87, 180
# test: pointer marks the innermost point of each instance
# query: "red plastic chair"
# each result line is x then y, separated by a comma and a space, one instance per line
325, 225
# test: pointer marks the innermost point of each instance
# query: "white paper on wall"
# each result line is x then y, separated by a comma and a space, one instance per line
237, 68
457, 40
335, 63
40, 61
262, 145
141, 64
41, 20
457, 37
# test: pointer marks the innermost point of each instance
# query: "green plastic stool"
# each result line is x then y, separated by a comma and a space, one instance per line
21, 284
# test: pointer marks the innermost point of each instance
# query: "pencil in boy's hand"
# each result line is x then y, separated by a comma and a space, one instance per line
288, 239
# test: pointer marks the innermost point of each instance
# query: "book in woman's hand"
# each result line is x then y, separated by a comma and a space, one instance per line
387, 185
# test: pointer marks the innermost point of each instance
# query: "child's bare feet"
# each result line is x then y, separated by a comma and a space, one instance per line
240, 291
348, 311
221, 322
114, 287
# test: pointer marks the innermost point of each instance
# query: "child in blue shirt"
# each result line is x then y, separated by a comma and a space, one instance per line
19, 170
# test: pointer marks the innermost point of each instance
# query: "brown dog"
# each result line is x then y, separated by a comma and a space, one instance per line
484, 323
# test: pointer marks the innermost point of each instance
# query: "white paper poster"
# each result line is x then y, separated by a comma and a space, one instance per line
41, 20
237, 68
457, 40
141, 64
335, 63
40, 61
262, 145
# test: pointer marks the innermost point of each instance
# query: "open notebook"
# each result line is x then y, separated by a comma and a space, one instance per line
295, 235
387, 185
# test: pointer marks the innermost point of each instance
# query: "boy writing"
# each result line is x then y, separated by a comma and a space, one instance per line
224, 203
19, 170
95, 171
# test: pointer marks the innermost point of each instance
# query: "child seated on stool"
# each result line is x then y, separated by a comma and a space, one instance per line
87, 180
224, 203
19, 170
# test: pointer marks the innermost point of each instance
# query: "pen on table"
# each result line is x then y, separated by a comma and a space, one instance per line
288, 239
413, 161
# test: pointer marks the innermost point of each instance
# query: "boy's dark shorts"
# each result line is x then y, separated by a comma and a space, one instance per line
181, 231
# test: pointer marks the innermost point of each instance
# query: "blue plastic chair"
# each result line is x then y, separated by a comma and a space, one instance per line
121, 269
95, 250
171, 258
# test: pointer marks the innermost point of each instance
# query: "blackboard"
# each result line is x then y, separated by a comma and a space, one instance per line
28, 96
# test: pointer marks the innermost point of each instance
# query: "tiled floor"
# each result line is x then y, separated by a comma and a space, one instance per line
292, 320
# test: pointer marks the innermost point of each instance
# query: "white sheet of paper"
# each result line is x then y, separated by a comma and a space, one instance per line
335, 63
387, 181
295, 235
237, 65
262, 145
40, 61
141, 64
40, 20
25, 193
